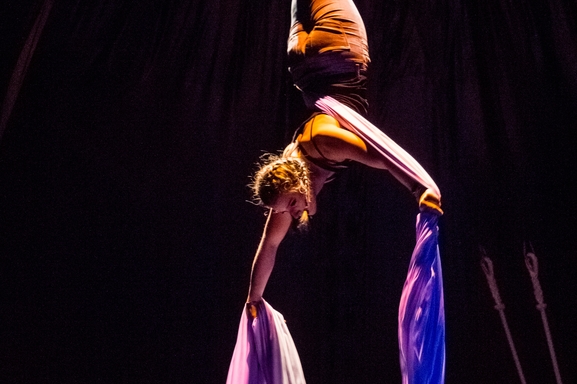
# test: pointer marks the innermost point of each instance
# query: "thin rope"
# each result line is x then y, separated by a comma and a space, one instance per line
533, 268
487, 266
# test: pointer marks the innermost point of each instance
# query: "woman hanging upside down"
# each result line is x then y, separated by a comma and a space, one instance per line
328, 56
328, 59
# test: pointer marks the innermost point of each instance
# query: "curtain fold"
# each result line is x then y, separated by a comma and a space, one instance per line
22, 64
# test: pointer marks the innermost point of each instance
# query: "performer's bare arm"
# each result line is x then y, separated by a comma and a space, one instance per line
338, 144
275, 230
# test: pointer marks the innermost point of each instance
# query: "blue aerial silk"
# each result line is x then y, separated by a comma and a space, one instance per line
265, 351
421, 310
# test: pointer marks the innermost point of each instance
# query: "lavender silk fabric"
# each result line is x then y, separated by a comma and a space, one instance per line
265, 352
363, 128
421, 311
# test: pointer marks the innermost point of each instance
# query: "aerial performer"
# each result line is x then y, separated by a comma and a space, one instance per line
328, 60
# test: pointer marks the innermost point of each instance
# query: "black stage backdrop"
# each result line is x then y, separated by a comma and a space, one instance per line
125, 237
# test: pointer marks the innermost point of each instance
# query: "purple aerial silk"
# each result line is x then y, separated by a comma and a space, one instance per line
421, 310
265, 351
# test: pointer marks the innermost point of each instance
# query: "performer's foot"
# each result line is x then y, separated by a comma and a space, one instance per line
430, 202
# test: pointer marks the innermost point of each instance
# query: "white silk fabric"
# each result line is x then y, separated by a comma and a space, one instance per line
265, 352
421, 309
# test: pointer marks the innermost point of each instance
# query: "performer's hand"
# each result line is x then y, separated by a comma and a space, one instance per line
251, 309
430, 202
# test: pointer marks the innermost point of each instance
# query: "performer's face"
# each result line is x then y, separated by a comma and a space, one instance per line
293, 203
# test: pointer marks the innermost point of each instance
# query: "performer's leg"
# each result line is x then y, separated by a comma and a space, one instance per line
320, 26
327, 25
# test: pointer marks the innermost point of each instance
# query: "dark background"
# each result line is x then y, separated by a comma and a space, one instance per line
125, 239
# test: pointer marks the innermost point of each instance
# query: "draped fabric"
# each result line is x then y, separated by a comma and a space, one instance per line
421, 311
265, 352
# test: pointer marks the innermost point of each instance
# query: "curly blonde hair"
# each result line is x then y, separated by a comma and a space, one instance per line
277, 175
